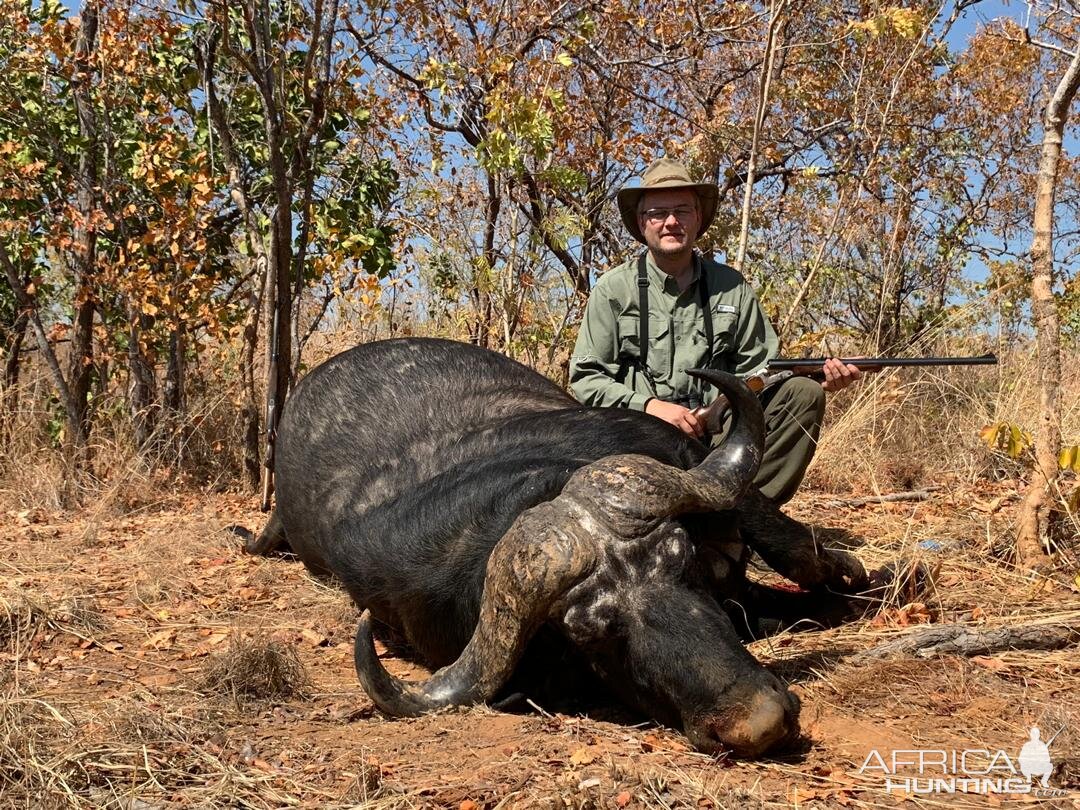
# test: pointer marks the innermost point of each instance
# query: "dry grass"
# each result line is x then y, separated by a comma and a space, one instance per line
23, 615
140, 753
905, 429
259, 668
203, 451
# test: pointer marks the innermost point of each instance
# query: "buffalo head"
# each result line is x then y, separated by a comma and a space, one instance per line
610, 566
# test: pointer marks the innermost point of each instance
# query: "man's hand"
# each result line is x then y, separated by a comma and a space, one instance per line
682, 418
839, 375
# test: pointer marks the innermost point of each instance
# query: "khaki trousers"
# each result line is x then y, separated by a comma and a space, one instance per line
794, 410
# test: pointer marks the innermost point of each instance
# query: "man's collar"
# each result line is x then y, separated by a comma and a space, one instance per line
660, 277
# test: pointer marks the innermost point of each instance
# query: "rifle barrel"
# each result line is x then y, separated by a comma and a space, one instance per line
884, 362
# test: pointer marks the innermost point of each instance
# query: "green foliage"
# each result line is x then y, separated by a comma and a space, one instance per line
520, 124
1014, 441
1069, 458
1006, 437
56, 422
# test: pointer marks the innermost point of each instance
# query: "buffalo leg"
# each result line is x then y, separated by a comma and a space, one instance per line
790, 548
271, 541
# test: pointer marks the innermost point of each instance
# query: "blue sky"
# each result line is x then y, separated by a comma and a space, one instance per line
980, 14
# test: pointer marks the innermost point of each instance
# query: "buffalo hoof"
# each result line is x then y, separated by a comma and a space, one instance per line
266, 544
243, 533
845, 572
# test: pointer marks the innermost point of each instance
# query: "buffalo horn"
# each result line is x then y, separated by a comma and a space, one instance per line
533, 565
729, 470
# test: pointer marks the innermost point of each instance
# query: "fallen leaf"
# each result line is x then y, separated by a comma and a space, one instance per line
622, 799
909, 614
213, 636
583, 756
163, 638
986, 662
800, 795
315, 639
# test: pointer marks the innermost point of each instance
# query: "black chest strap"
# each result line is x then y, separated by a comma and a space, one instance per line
643, 312
643, 308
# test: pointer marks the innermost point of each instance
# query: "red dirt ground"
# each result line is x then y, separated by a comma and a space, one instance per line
105, 704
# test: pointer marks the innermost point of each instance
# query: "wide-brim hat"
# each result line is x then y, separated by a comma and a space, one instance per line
665, 174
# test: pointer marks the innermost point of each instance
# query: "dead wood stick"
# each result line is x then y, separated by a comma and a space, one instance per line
958, 639
892, 497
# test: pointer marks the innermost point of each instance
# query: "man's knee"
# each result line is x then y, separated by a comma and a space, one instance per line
801, 395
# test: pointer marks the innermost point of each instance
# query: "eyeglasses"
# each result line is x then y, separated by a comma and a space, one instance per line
657, 215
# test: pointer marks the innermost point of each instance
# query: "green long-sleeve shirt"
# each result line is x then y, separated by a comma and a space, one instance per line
605, 368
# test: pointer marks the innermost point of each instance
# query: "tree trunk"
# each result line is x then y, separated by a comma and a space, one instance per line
775, 24
172, 395
14, 350
481, 292
206, 56
173, 398
261, 63
142, 386
252, 451
956, 639
83, 256
890, 304
9, 390
1032, 541
280, 368
302, 165
28, 305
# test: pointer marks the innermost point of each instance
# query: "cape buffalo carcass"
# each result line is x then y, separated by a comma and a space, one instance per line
480, 512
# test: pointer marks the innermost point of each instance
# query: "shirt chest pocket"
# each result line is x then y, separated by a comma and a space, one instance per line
659, 353
725, 328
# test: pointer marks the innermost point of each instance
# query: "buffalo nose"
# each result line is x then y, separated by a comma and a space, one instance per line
757, 723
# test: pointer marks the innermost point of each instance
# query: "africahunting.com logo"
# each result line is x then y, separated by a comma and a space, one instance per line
975, 770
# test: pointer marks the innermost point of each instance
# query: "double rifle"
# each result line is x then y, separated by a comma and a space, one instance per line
814, 367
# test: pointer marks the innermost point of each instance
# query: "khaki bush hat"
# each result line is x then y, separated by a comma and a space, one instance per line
667, 174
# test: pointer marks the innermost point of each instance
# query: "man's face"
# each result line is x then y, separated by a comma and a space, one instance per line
669, 221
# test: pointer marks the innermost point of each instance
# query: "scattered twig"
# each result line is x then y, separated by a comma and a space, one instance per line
893, 497
539, 708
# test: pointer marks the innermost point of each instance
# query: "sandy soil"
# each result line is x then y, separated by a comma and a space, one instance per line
116, 616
